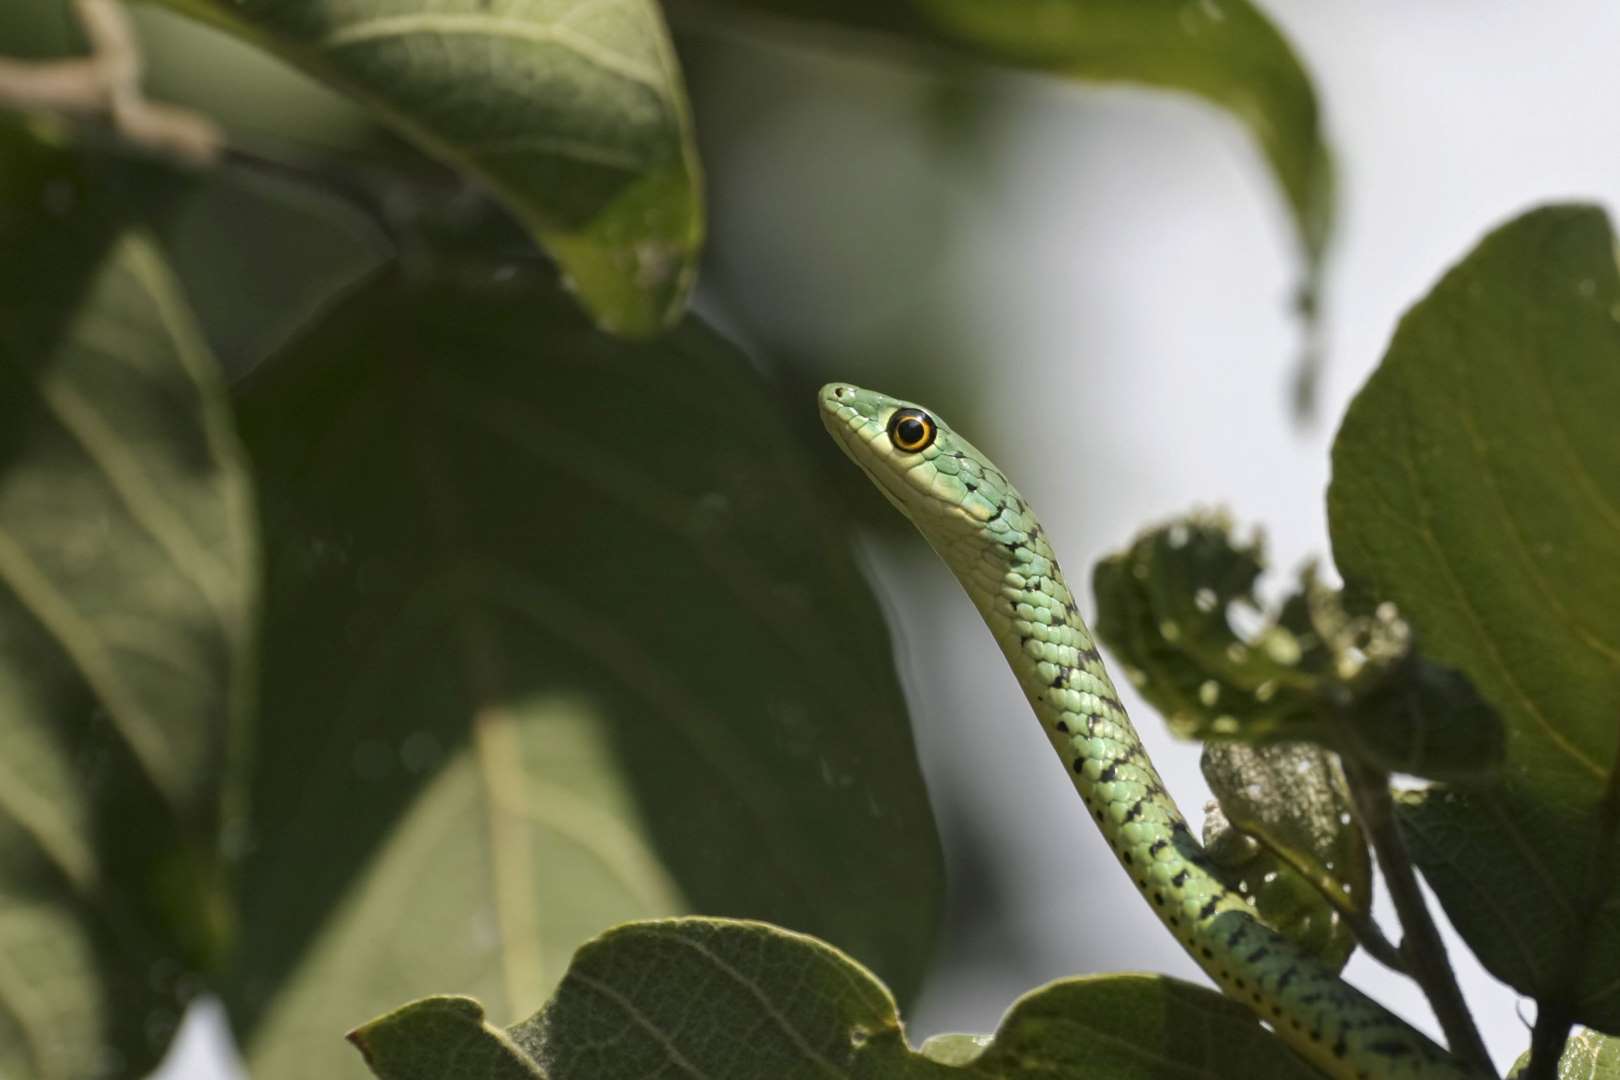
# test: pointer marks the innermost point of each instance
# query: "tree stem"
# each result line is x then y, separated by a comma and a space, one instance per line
1425, 952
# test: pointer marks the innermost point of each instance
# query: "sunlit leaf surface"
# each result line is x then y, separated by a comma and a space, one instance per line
572, 111
737, 1001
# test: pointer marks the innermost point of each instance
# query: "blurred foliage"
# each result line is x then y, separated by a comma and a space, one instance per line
128, 568
575, 115
514, 577
1223, 50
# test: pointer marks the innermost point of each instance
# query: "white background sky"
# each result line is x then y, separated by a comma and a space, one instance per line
1127, 270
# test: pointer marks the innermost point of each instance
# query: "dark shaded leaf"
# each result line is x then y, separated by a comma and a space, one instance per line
562, 634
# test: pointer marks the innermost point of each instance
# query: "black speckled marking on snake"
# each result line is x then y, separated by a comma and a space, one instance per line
981, 526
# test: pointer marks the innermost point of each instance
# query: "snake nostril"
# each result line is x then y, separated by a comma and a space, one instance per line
840, 391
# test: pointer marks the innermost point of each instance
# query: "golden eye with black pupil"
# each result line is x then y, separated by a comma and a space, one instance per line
912, 430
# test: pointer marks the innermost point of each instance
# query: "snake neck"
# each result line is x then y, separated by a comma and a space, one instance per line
1010, 573
1014, 580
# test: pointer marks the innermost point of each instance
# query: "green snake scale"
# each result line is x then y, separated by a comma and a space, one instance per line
983, 529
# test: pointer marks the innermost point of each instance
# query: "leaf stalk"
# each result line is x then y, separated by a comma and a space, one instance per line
1421, 944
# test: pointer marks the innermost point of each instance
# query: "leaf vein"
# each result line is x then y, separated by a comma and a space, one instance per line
671, 1052
1465, 604
77, 638
448, 24
775, 1014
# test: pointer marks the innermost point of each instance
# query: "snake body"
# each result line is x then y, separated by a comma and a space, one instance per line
984, 530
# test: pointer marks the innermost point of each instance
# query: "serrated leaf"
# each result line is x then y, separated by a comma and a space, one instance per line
1313, 671
572, 111
127, 588
723, 999
1283, 830
1225, 51
1476, 482
1588, 1055
562, 632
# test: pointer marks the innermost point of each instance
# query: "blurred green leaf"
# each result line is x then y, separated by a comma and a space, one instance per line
260, 257
37, 30
1476, 483
563, 634
954, 1048
1312, 672
1587, 1056
743, 1000
1225, 51
575, 115
127, 579
1283, 833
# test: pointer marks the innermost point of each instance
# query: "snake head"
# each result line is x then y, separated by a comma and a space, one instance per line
929, 472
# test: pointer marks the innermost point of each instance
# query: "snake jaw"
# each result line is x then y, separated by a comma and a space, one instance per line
858, 420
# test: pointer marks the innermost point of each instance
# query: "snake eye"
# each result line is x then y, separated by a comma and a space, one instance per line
912, 430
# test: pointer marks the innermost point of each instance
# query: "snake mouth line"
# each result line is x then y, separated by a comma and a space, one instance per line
848, 429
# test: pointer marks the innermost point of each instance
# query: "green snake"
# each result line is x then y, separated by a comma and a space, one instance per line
984, 530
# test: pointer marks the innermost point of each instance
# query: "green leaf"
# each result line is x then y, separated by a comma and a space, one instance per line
955, 1048
127, 580
1283, 832
1476, 483
562, 633
1588, 1055
573, 112
1225, 51
723, 999
1313, 671
439, 1037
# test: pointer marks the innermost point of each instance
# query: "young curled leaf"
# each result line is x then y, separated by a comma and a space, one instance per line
1315, 671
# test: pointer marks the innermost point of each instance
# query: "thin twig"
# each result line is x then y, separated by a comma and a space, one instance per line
1556, 1016
1371, 938
1421, 945
107, 83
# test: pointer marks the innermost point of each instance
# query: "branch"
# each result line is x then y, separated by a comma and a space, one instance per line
1372, 939
1421, 944
107, 83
